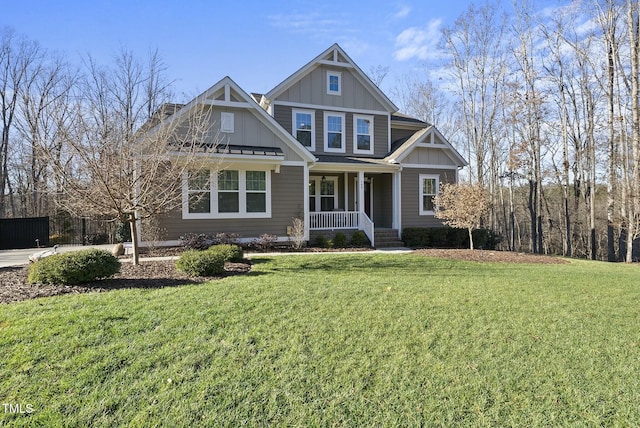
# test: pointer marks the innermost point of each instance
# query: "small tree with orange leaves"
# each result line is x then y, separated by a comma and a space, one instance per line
461, 205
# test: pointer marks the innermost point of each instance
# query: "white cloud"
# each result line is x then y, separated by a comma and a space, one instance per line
403, 12
311, 23
419, 43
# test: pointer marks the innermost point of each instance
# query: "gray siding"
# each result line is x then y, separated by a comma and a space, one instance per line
287, 199
428, 156
283, 115
312, 89
249, 130
410, 196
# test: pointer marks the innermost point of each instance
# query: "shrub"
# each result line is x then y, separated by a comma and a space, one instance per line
201, 263
195, 241
231, 252
75, 267
359, 239
265, 241
297, 234
340, 240
448, 237
320, 241
226, 238
416, 237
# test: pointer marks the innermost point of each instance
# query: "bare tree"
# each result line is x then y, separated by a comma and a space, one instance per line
477, 65
43, 113
378, 73
117, 171
20, 60
461, 205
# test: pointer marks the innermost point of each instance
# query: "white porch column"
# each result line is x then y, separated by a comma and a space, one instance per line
397, 201
361, 191
305, 204
346, 191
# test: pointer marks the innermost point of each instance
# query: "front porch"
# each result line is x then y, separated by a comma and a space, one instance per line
353, 200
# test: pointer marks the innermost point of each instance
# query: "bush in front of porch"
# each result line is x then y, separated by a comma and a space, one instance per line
448, 237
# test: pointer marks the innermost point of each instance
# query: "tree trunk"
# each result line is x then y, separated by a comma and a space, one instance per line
135, 257
470, 238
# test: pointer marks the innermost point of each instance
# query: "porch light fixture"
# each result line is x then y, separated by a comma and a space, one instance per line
323, 179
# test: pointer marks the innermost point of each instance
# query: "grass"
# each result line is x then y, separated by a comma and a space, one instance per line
336, 340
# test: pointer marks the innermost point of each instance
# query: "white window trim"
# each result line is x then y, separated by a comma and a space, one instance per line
355, 134
339, 76
422, 177
318, 181
313, 126
227, 122
343, 148
242, 186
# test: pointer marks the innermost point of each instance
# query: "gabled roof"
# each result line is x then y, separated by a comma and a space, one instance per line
227, 93
425, 137
335, 56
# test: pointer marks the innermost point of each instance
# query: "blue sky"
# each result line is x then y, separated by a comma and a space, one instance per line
256, 43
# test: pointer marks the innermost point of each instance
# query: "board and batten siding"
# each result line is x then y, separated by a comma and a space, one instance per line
250, 131
287, 203
428, 156
312, 89
283, 114
411, 196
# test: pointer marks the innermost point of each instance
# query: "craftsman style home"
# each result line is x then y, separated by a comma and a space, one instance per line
326, 145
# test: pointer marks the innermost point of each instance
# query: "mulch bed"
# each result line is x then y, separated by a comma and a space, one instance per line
158, 274
491, 256
148, 274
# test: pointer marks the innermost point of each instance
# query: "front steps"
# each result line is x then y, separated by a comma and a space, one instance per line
387, 238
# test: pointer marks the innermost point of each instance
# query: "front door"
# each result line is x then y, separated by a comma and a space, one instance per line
367, 199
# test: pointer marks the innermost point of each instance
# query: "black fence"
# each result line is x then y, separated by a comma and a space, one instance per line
18, 233
85, 230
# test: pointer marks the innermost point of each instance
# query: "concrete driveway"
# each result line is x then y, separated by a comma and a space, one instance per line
21, 257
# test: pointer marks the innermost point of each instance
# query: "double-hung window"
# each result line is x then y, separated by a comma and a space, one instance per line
323, 195
363, 134
199, 191
334, 134
429, 185
230, 193
303, 129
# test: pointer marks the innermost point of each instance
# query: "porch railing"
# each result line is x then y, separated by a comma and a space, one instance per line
324, 220
366, 225
333, 220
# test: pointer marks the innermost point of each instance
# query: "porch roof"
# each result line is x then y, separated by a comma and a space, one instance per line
346, 163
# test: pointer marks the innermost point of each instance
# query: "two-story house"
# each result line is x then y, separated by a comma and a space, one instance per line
326, 145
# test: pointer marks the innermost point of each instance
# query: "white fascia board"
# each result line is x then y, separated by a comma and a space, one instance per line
352, 167
330, 108
429, 166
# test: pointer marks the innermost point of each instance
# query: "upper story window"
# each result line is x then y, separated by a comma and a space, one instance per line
429, 185
363, 134
334, 138
334, 83
226, 124
303, 128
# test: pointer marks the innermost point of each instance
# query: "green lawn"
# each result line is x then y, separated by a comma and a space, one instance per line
336, 340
